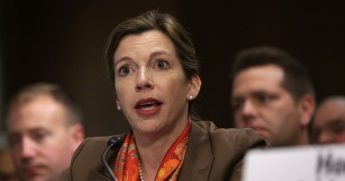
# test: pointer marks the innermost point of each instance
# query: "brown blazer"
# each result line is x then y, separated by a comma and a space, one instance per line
212, 154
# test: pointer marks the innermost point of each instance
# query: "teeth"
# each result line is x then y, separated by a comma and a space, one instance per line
147, 104
147, 107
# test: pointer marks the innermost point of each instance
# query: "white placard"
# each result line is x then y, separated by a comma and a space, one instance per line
311, 163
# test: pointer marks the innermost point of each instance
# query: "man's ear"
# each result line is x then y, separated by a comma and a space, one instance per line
194, 86
306, 107
77, 133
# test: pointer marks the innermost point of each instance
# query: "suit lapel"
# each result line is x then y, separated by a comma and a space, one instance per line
198, 160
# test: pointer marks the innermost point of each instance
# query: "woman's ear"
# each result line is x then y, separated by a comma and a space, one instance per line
118, 106
193, 87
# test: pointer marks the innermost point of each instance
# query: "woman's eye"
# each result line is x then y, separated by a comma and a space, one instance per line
162, 65
124, 70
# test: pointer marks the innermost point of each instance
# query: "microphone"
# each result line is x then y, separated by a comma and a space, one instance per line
113, 141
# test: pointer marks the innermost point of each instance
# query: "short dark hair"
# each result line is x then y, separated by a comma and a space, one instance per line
164, 23
33, 91
296, 79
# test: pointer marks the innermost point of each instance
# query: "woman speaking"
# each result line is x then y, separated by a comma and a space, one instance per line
153, 65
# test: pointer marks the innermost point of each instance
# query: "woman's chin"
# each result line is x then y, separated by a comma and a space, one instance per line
148, 129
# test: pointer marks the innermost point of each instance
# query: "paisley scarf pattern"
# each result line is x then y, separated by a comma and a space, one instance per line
128, 161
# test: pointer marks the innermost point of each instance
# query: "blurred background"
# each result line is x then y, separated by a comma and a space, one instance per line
63, 42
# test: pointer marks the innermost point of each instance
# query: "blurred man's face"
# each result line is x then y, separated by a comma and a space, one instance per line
260, 102
41, 143
329, 125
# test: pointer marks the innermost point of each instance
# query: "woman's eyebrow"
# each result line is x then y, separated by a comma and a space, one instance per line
121, 60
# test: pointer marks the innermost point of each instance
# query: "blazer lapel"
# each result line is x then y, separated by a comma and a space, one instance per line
100, 173
95, 175
198, 160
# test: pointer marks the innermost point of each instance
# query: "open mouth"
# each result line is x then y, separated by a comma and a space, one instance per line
148, 106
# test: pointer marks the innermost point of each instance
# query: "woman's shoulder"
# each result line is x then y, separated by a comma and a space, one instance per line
96, 140
96, 145
88, 155
244, 137
218, 152
91, 147
93, 143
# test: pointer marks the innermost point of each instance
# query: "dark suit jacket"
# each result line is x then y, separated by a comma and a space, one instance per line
212, 154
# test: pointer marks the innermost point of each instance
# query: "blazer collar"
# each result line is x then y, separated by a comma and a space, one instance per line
199, 157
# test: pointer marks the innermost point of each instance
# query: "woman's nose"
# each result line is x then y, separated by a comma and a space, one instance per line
144, 81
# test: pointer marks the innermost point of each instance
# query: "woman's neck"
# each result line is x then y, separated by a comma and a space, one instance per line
153, 148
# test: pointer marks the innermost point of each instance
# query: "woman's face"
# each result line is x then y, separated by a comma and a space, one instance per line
150, 84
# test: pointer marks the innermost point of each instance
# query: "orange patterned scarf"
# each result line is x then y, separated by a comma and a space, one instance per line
127, 161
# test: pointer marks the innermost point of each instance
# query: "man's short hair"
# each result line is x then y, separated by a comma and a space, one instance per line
296, 79
31, 92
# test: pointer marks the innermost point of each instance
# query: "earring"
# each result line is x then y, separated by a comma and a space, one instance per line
190, 98
118, 105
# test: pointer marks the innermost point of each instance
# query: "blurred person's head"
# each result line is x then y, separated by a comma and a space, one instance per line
7, 168
44, 129
273, 94
329, 121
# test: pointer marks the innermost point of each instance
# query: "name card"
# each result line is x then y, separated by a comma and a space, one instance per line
309, 163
